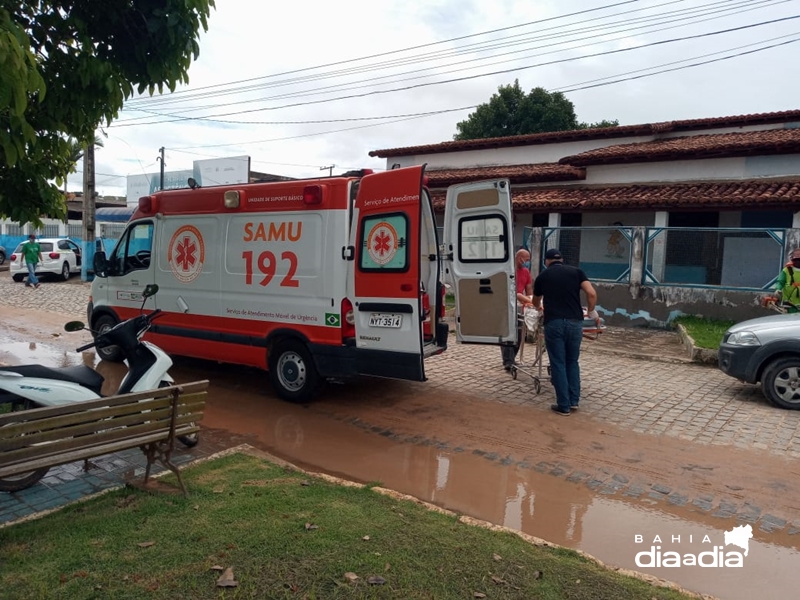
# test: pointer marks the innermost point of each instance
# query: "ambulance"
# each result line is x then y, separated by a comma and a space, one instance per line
314, 280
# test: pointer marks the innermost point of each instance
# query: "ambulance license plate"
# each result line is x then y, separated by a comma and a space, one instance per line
385, 320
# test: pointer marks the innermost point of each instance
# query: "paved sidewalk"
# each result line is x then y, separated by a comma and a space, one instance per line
664, 394
689, 401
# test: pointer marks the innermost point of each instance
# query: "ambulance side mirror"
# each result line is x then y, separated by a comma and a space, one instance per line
100, 264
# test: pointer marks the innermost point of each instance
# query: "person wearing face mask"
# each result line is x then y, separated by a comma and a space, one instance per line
524, 298
787, 291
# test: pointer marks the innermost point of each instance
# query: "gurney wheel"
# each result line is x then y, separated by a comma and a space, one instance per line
537, 386
513, 372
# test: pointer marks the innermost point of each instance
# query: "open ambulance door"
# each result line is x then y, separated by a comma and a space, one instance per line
479, 246
384, 283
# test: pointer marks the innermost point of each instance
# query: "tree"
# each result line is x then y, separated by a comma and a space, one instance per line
66, 66
513, 112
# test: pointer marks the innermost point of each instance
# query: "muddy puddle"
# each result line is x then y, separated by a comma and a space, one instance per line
542, 505
242, 408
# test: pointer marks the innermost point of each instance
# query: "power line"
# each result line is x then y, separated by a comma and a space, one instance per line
317, 121
586, 87
566, 89
561, 33
329, 89
427, 45
492, 73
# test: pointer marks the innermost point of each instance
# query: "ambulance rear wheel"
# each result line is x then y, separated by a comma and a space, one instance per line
292, 371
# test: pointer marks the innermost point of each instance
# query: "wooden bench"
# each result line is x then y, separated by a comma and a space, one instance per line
32, 441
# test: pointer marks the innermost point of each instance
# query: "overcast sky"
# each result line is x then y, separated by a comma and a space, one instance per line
281, 50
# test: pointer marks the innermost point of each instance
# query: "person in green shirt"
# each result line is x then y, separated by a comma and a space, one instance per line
32, 253
787, 292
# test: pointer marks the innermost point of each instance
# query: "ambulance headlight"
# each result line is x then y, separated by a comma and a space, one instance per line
231, 199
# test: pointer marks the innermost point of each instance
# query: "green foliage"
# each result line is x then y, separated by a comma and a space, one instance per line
513, 112
284, 539
68, 66
706, 333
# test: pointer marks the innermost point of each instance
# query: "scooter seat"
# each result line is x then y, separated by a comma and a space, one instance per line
82, 375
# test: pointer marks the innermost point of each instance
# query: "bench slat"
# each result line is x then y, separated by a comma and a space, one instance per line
121, 433
47, 437
54, 411
88, 452
89, 426
80, 415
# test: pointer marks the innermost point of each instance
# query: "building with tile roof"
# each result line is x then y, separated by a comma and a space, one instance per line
727, 175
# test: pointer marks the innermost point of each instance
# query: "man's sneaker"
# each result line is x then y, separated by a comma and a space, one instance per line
557, 410
574, 407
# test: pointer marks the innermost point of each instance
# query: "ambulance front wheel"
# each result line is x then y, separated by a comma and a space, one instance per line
292, 371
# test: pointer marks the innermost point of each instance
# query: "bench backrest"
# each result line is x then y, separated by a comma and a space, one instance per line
129, 419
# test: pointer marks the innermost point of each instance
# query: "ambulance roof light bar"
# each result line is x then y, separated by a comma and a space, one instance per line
231, 199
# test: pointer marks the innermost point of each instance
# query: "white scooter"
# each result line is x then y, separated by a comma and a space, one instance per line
36, 386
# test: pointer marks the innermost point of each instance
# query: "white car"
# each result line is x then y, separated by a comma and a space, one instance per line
62, 258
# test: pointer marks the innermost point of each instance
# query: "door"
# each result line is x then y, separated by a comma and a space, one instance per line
479, 263
384, 281
129, 270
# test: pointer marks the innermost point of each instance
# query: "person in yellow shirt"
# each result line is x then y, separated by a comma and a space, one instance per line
787, 292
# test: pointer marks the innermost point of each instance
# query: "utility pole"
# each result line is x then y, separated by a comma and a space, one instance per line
89, 235
330, 170
161, 158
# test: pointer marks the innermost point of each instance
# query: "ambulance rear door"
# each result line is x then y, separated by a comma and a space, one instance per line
479, 261
384, 282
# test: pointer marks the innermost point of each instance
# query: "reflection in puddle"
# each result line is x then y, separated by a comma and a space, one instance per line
542, 505
26, 353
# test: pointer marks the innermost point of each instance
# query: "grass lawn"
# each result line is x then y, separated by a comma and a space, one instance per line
706, 333
285, 535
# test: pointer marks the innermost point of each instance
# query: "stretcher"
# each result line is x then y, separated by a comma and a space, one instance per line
532, 326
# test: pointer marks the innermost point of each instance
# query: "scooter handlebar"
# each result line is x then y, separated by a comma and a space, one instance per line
86, 347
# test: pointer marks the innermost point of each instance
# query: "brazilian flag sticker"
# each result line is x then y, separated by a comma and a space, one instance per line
332, 320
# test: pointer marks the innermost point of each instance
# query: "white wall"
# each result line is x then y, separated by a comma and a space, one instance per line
543, 153
701, 169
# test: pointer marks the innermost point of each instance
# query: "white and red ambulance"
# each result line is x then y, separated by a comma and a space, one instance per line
318, 279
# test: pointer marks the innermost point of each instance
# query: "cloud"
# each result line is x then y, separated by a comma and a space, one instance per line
273, 49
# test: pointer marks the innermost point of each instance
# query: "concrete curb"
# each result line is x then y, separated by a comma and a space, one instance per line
704, 356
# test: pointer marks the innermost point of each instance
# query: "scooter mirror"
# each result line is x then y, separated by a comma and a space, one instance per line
74, 326
150, 290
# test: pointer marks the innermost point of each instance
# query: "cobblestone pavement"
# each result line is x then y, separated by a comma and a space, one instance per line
661, 396
696, 403
693, 402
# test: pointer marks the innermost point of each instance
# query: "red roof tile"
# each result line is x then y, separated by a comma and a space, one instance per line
720, 194
533, 173
591, 134
773, 141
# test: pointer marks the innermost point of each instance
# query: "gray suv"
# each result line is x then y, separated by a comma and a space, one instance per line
766, 349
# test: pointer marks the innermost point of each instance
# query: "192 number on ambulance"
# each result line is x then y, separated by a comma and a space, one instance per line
266, 263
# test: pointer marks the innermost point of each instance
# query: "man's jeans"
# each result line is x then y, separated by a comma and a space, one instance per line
562, 338
32, 274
